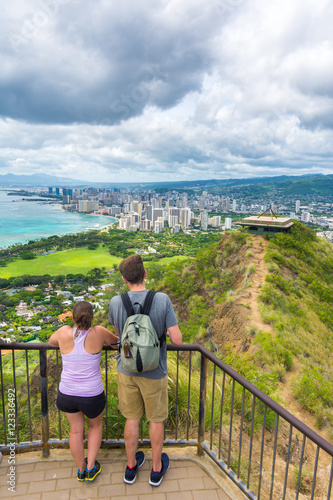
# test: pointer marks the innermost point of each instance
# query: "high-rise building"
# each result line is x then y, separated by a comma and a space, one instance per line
204, 220
149, 212
88, 206
145, 225
134, 206
161, 221
305, 217
157, 212
135, 218
185, 217
124, 222
298, 204
216, 221
173, 220
66, 199
227, 204
158, 226
227, 223
114, 211
140, 208
234, 205
202, 203
173, 212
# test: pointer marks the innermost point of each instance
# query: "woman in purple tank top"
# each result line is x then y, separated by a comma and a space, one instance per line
81, 391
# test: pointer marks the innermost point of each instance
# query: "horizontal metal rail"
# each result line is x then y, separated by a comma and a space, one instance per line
236, 434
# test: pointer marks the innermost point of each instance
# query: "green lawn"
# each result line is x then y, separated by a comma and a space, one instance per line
74, 261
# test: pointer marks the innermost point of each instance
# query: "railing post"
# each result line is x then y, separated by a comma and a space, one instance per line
202, 403
44, 402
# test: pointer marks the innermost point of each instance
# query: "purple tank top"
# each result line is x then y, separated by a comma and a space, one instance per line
81, 372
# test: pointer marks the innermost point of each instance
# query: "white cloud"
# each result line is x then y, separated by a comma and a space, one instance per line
145, 91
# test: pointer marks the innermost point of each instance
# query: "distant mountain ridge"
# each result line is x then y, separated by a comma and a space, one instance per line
36, 180
317, 184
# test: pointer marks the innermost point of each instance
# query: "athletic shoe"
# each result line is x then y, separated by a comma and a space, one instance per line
156, 477
81, 476
91, 474
130, 474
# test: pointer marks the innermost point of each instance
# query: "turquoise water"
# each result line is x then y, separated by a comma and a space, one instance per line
21, 221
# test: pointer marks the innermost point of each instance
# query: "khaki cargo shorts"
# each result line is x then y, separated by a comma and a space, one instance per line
139, 395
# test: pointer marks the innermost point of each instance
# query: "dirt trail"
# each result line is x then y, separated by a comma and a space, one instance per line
237, 321
238, 317
257, 279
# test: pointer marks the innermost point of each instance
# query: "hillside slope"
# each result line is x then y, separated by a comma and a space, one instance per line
266, 309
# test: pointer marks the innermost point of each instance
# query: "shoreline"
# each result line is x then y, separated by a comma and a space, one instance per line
103, 227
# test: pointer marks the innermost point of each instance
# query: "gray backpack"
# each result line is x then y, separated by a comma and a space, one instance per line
140, 345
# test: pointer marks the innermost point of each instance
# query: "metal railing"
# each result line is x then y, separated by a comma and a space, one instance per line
263, 449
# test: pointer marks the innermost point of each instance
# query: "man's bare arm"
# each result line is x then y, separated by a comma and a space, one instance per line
175, 334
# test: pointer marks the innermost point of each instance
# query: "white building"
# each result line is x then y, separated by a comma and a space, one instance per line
185, 217
157, 212
87, 206
216, 222
173, 220
204, 220
114, 211
124, 222
134, 206
305, 217
172, 213
227, 223
158, 227
145, 225
298, 205
161, 221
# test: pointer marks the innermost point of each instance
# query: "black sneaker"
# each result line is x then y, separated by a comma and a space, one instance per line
130, 474
81, 476
91, 474
156, 477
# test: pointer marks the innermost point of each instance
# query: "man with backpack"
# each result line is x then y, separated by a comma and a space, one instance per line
142, 323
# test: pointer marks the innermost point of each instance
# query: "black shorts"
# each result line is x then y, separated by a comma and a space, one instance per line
91, 407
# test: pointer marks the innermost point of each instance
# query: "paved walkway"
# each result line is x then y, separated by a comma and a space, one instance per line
54, 478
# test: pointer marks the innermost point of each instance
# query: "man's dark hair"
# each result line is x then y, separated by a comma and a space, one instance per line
132, 269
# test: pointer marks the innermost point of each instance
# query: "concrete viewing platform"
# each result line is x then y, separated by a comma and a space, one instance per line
190, 477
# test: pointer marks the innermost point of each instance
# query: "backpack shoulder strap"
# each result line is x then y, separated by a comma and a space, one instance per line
146, 309
127, 304
148, 301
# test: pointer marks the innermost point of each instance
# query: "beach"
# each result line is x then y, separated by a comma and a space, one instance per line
22, 220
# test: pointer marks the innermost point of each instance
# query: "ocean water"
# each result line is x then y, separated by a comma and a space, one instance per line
21, 221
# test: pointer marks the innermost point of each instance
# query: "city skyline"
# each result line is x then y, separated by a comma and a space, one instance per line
166, 91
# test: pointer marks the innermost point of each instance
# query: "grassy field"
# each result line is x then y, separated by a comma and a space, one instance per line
74, 261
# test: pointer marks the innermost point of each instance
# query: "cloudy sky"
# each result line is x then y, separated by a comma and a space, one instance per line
166, 89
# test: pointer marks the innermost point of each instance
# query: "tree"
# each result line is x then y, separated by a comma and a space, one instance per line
17, 282
27, 255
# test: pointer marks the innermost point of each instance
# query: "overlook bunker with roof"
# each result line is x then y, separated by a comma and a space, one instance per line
266, 224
